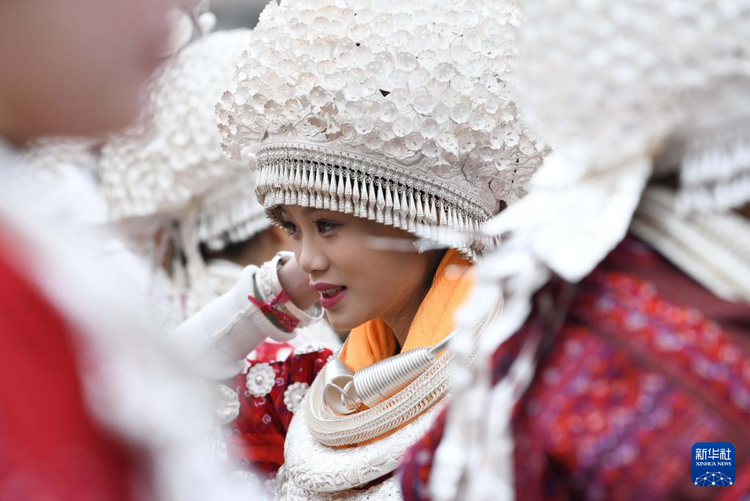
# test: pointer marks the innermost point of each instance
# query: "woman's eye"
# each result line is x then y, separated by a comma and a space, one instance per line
325, 226
291, 228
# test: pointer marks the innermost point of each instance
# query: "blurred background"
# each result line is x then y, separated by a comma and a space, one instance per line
237, 13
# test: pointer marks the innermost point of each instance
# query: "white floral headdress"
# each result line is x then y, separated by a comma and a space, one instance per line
399, 112
171, 162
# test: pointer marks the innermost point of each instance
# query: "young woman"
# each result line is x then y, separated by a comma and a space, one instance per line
381, 122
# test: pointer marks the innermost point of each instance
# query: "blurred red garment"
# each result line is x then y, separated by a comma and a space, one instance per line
50, 447
646, 363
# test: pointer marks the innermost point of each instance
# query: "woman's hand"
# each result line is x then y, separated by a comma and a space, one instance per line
295, 282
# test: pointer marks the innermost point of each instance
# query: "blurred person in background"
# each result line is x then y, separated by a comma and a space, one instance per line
92, 404
190, 210
625, 338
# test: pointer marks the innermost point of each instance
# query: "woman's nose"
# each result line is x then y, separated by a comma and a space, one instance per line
311, 259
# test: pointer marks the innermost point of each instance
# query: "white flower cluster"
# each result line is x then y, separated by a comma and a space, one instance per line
260, 379
422, 86
173, 156
294, 394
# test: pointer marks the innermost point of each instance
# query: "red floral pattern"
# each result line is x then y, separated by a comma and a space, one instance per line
259, 432
622, 392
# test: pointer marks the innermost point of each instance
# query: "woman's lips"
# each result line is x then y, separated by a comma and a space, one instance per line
330, 294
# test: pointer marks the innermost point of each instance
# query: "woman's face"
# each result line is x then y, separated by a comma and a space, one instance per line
358, 266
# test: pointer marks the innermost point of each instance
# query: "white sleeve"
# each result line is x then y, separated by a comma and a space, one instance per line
224, 331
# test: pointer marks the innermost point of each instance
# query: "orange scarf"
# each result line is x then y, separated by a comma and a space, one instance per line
374, 340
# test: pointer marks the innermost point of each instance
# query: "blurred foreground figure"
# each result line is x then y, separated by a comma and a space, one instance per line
93, 406
625, 337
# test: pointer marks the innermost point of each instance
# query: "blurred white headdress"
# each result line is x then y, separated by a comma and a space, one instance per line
169, 167
623, 90
171, 162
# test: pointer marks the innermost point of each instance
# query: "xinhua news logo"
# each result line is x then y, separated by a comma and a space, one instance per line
713, 464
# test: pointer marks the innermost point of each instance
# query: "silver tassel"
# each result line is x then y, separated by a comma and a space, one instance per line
388, 219
363, 199
340, 192
318, 202
333, 193
380, 204
296, 186
355, 196
275, 184
404, 211
275, 176
262, 180
420, 208
287, 173
371, 200
297, 178
288, 179
348, 209
325, 191
280, 188
412, 213
396, 208
305, 198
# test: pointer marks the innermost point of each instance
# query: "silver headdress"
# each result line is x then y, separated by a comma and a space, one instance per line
171, 162
399, 112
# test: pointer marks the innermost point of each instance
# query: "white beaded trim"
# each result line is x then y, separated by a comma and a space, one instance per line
715, 169
228, 224
314, 176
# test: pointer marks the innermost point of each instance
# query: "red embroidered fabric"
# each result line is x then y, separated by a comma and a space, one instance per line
636, 375
271, 310
270, 393
270, 351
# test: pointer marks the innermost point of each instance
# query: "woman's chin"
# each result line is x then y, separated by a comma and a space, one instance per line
340, 321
